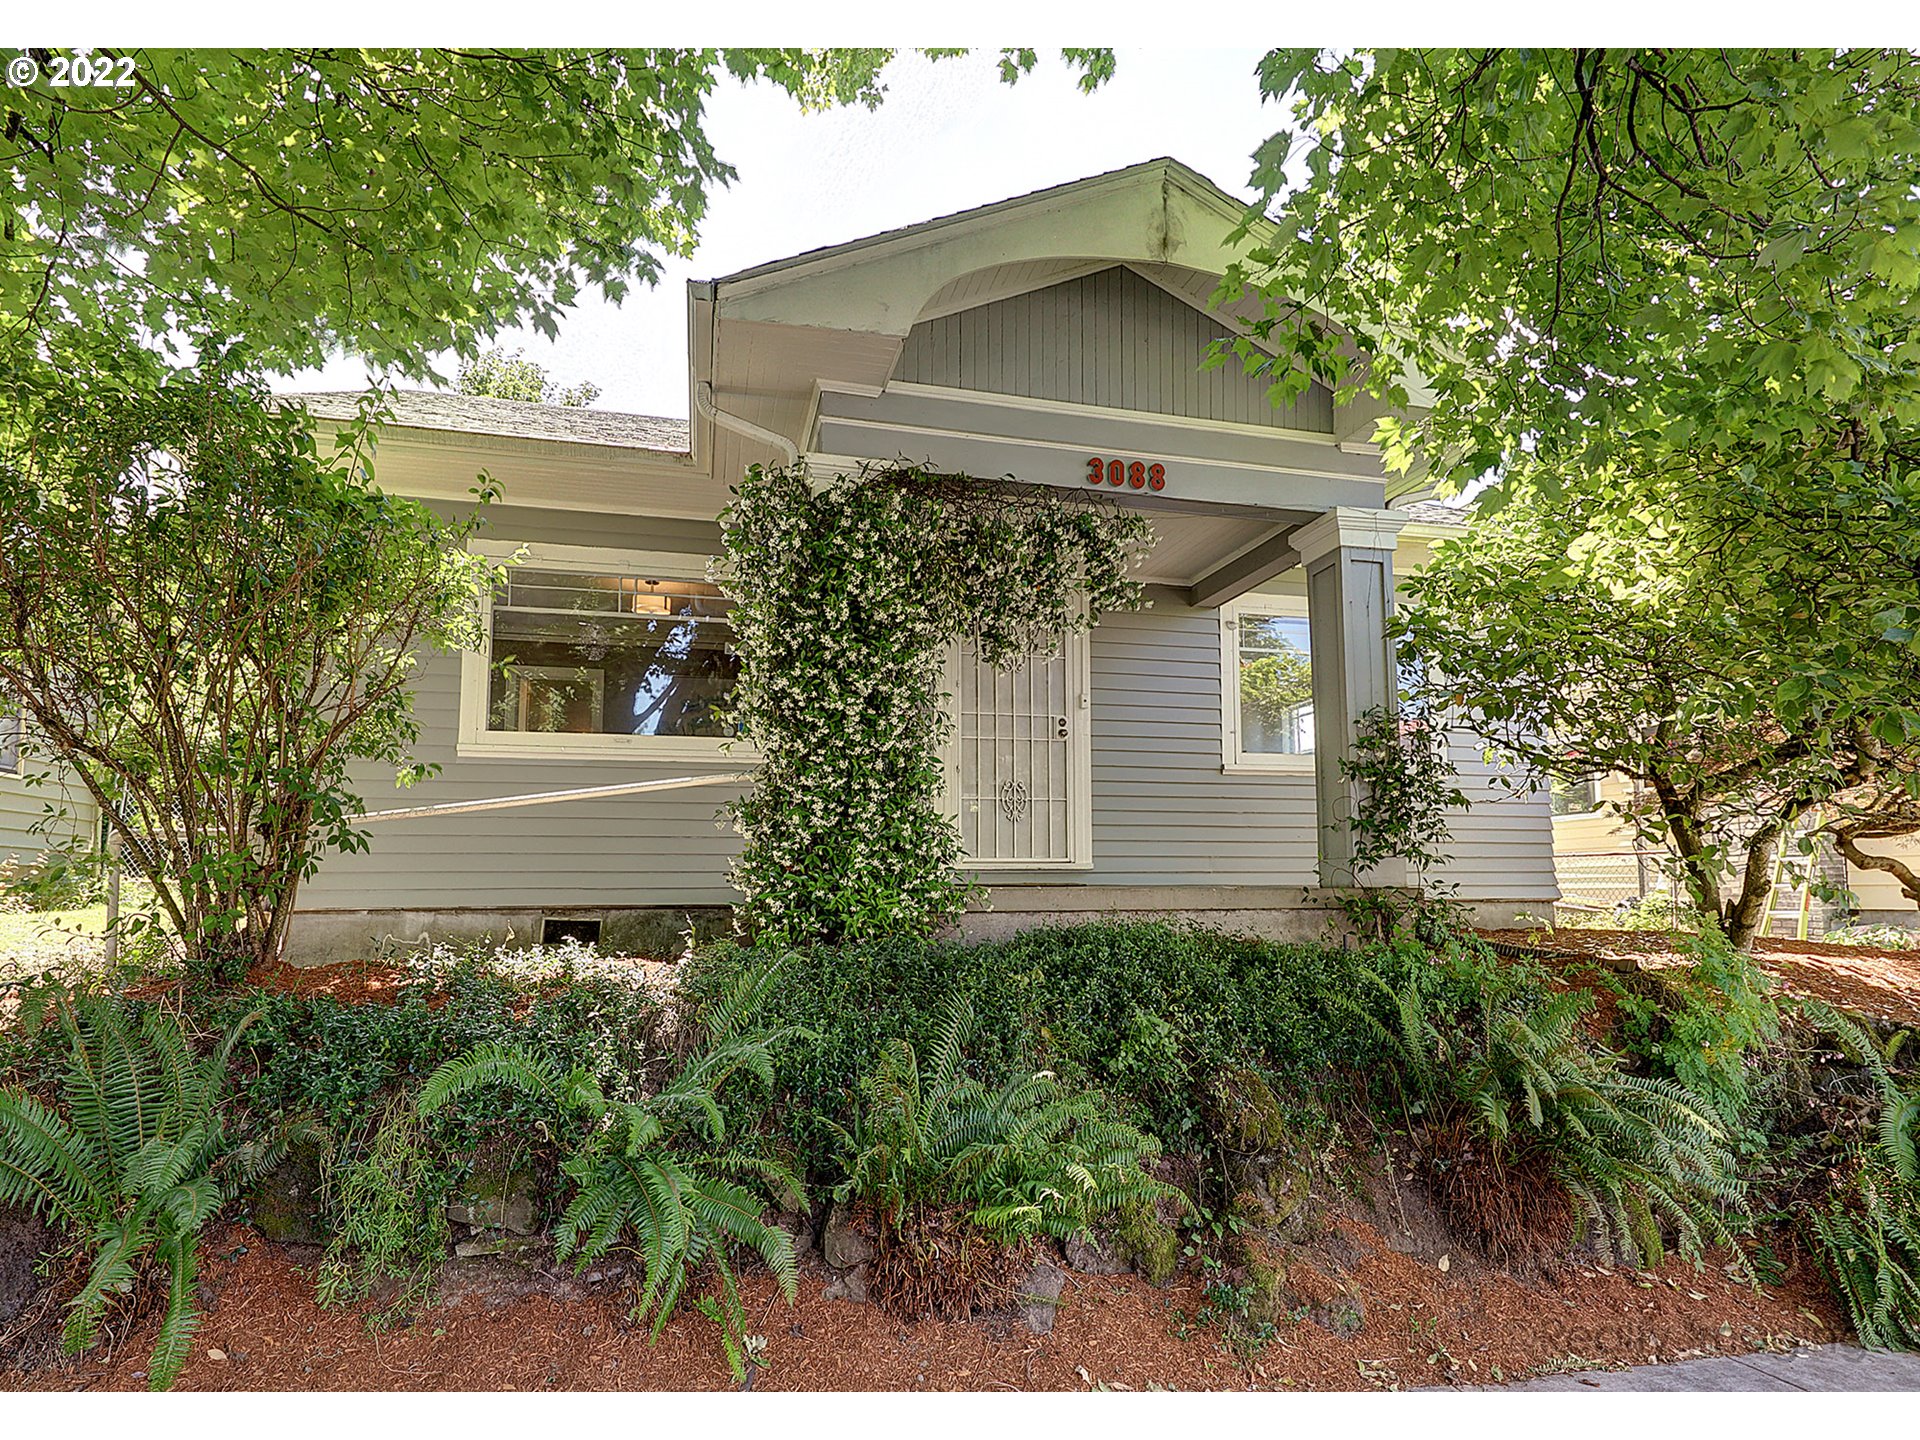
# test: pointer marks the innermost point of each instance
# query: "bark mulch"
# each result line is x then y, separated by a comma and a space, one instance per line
499, 1327
1859, 979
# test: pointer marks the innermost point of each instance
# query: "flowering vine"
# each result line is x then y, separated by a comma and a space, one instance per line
846, 597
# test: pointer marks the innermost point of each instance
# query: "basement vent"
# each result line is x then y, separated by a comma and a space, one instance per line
557, 930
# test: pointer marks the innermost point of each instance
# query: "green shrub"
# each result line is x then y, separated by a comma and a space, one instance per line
1657, 910
1149, 1013
658, 1171
1515, 1074
1702, 1025
1880, 937
62, 878
936, 1151
340, 1061
1868, 1232
139, 1163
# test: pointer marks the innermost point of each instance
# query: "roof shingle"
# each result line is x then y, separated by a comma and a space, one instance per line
438, 410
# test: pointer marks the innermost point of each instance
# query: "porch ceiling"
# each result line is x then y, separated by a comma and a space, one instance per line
1188, 547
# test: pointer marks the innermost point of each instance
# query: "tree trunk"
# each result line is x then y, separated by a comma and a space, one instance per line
1745, 916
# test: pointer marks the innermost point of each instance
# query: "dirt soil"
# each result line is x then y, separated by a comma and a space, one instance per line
502, 1327
1859, 979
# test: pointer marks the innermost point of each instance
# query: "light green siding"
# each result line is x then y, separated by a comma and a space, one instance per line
1164, 814
1110, 339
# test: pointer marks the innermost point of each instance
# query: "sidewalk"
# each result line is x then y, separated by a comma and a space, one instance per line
1823, 1367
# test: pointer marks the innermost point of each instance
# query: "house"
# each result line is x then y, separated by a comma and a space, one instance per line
1057, 338
42, 807
1602, 867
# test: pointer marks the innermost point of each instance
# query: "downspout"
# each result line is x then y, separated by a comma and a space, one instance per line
740, 425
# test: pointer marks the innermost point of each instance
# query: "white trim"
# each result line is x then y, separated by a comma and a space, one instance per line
1234, 760
477, 742
997, 400
1172, 175
1237, 474
1348, 527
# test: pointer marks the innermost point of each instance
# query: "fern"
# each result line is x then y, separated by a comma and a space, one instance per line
1025, 1160
138, 1165
1868, 1233
1638, 1158
658, 1173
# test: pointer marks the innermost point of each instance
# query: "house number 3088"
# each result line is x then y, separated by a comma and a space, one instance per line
1139, 474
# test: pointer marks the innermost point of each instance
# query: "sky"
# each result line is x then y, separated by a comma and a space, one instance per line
948, 137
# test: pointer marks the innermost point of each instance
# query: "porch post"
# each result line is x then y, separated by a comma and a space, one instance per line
1348, 555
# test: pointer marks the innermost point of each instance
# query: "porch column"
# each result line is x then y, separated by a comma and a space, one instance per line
1348, 555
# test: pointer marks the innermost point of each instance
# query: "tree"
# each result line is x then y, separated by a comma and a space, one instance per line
1673, 289
208, 620
389, 203
507, 375
1650, 664
1880, 809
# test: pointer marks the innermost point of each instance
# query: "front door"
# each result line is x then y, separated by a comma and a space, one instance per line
1019, 762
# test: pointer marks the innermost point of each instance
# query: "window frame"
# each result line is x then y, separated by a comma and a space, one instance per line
477, 742
1596, 803
12, 737
1234, 759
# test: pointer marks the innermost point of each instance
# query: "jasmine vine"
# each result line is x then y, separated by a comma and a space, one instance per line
847, 593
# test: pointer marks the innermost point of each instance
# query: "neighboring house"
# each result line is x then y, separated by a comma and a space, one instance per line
42, 807
1600, 866
1058, 339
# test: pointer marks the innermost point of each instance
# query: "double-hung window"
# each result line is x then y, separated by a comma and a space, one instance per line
607, 654
9, 743
1266, 673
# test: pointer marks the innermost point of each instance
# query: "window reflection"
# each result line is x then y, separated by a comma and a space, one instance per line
580, 654
1276, 685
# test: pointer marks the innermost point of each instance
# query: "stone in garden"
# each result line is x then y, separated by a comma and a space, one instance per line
848, 1285
842, 1245
504, 1248
799, 1228
286, 1205
1039, 1298
24, 1238
495, 1198
1091, 1257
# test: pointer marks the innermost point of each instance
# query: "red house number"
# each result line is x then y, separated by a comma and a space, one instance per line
1139, 474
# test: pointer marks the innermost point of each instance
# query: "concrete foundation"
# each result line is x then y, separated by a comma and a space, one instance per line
323, 937
1294, 914
1289, 913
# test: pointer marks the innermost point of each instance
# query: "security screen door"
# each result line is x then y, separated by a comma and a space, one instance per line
1019, 762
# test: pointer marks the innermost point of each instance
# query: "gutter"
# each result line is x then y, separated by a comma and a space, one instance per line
707, 292
740, 425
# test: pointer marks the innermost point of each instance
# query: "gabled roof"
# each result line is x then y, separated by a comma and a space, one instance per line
1156, 213
1169, 170
517, 419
